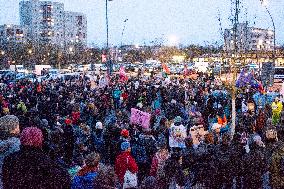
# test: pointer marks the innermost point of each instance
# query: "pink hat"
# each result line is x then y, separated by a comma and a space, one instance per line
31, 136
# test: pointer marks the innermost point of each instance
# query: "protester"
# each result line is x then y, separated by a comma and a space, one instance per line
276, 111
30, 167
177, 134
174, 176
277, 168
125, 162
77, 118
106, 178
86, 176
254, 165
9, 143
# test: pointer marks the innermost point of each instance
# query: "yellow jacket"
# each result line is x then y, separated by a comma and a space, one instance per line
277, 107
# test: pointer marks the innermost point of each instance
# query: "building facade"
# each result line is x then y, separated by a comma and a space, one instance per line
12, 34
249, 39
75, 25
47, 22
44, 21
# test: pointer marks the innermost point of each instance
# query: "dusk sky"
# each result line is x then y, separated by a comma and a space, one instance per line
190, 21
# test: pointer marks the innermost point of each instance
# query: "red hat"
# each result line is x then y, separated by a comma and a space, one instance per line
68, 121
124, 133
31, 136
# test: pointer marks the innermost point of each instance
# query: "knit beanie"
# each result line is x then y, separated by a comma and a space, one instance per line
68, 121
31, 136
99, 125
125, 133
8, 123
124, 146
177, 119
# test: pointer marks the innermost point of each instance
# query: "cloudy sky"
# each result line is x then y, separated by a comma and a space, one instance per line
186, 21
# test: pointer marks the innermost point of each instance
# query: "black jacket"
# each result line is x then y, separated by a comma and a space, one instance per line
31, 168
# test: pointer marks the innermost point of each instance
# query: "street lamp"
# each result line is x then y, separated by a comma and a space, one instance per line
264, 4
109, 64
2, 53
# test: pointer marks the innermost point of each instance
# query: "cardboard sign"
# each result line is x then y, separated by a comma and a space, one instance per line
140, 118
197, 133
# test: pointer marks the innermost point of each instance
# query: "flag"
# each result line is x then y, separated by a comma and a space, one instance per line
166, 69
122, 74
104, 58
185, 71
122, 71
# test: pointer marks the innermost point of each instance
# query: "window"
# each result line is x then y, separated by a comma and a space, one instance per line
10, 32
80, 20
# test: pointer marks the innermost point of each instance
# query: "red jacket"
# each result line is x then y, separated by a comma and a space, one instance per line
75, 117
121, 165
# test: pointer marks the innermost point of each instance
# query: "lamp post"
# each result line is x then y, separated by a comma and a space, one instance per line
109, 64
235, 51
264, 3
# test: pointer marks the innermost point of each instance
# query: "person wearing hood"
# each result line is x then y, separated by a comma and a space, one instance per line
9, 143
86, 176
177, 134
31, 167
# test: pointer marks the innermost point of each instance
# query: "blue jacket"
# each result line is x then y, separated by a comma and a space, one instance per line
84, 182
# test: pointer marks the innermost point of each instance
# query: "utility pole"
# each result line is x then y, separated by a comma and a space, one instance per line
233, 64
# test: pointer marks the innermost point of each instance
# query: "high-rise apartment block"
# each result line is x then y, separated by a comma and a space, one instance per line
47, 22
249, 39
12, 34
75, 25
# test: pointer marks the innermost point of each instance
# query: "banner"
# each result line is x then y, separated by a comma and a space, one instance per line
140, 118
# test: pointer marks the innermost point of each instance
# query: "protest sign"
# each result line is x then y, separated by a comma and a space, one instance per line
140, 118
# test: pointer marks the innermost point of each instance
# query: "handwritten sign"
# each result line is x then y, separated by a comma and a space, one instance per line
140, 118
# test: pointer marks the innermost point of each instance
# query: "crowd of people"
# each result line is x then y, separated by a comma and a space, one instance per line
77, 133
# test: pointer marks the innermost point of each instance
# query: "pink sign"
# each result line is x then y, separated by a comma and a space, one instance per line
140, 118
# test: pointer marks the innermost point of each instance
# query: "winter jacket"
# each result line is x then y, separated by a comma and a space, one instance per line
254, 166
158, 161
277, 179
173, 173
31, 168
85, 181
125, 162
223, 164
7, 147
